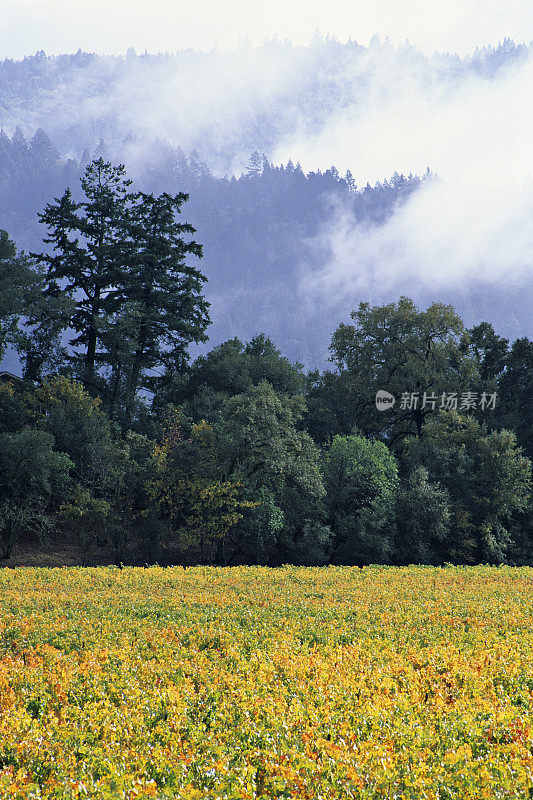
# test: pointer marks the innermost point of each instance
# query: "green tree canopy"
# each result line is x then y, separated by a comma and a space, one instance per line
262, 447
487, 477
230, 369
83, 430
423, 520
30, 467
515, 394
361, 479
400, 349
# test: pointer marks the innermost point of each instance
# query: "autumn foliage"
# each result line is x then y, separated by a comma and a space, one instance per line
250, 682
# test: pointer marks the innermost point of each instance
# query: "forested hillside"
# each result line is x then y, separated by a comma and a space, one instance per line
224, 105
258, 232
176, 271
113, 439
287, 251
253, 228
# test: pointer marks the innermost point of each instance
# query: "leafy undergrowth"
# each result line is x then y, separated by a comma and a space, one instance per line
251, 682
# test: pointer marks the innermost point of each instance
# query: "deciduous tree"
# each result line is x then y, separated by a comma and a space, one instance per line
400, 349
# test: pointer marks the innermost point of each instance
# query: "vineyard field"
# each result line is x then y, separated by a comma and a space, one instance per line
248, 682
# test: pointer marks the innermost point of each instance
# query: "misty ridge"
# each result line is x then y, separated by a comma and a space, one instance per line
226, 105
291, 243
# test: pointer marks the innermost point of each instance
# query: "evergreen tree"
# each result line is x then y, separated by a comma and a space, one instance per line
87, 254
121, 259
16, 280
159, 305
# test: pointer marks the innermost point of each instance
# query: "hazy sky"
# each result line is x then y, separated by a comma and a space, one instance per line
111, 26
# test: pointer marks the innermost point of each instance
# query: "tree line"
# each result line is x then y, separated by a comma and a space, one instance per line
114, 438
325, 76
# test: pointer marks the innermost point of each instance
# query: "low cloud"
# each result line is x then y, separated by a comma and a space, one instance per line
224, 105
443, 237
375, 111
471, 225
